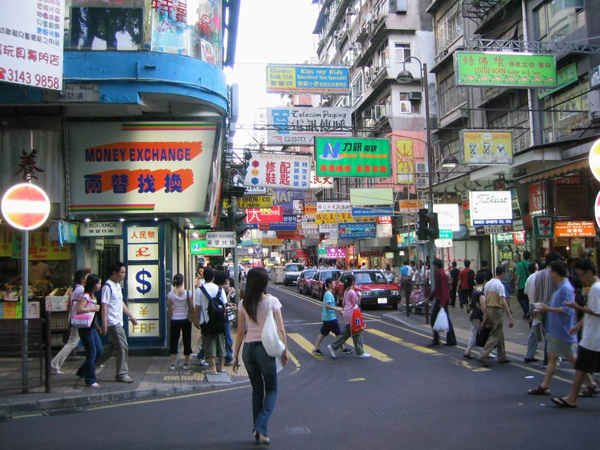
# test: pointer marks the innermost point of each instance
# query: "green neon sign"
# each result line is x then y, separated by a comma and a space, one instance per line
198, 247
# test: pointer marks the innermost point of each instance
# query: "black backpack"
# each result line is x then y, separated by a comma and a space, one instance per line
217, 315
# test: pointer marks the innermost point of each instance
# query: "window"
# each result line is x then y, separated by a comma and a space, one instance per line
451, 96
556, 19
402, 52
517, 118
448, 28
357, 88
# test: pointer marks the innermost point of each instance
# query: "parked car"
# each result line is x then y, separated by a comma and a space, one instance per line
374, 287
304, 280
292, 272
317, 284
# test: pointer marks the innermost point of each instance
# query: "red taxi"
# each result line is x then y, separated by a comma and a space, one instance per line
375, 289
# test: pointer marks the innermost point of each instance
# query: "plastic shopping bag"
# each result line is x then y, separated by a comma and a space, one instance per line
441, 323
357, 325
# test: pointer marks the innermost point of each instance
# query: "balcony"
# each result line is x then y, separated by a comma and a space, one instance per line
481, 10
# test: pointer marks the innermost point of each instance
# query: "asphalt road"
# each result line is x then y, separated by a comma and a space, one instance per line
407, 396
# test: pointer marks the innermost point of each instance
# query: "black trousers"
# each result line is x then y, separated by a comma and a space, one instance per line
464, 296
453, 290
450, 336
179, 327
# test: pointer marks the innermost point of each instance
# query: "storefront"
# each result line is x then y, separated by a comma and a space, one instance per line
510, 247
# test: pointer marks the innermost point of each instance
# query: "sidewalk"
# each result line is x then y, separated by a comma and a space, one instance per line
151, 378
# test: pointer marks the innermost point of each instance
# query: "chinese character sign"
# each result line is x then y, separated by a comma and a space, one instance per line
352, 157
140, 167
264, 215
405, 167
279, 171
299, 126
484, 147
503, 69
307, 79
31, 43
221, 239
320, 182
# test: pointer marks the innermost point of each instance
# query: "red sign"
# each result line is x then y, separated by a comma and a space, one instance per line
574, 228
264, 215
383, 220
25, 206
536, 198
300, 254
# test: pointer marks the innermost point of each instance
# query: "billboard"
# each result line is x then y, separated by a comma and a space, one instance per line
300, 125
371, 196
405, 164
486, 148
505, 69
264, 215
490, 207
320, 182
279, 171
32, 43
140, 167
448, 216
353, 157
307, 79
357, 230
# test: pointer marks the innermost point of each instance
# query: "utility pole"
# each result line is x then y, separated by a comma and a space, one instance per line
236, 269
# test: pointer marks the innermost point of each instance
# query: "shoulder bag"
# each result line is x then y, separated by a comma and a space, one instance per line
270, 336
84, 320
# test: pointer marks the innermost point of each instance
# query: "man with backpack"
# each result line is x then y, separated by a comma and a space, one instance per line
211, 316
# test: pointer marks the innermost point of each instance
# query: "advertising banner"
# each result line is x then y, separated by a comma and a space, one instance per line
574, 228
443, 243
307, 79
504, 69
349, 218
266, 242
251, 201
384, 230
287, 223
328, 228
353, 157
323, 207
199, 247
448, 216
320, 182
371, 196
405, 165
32, 43
411, 206
221, 239
299, 126
565, 76
491, 207
336, 252
101, 229
279, 171
264, 215
357, 230
140, 167
373, 212
486, 148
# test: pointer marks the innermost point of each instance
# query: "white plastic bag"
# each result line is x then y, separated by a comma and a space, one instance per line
441, 323
270, 336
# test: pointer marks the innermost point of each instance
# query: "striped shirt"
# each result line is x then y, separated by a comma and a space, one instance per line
544, 287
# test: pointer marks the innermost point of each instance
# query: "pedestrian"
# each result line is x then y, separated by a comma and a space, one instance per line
508, 282
330, 322
588, 352
477, 318
560, 320
466, 279
224, 282
73, 342
522, 276
406, 277
486, 270
494, 303
262, 368
179, 306
351, 299
210, 313
113, 308
199, 280
441, 296
454, 272
91, 341
388, 274
535, 324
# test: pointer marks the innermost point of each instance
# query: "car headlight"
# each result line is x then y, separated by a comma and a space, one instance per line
395, 292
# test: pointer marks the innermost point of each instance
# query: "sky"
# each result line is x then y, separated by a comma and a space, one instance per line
270, 32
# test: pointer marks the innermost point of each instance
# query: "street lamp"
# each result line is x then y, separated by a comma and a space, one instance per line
405, 77
449, 161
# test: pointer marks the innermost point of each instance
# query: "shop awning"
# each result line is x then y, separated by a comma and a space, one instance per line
556, 171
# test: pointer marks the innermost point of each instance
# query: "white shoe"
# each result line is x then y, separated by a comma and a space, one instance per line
54, 371
185, 367
364, 355
492, 355
331, 351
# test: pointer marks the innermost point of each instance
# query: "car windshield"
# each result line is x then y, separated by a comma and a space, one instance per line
370, 278
295, 268
330, 274
309, 273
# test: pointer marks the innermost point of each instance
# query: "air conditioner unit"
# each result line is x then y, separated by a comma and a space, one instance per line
421, 167
416, 96
405, 107
422, 183
379, 112
398, 6
594, 105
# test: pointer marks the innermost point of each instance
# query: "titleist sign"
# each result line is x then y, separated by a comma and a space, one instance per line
490, 208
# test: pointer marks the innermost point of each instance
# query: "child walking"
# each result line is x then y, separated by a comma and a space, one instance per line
330, 322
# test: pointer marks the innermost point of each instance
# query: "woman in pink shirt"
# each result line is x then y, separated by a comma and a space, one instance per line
261, 367
351, 300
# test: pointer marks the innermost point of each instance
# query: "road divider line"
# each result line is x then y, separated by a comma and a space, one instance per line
304, 343
397, 340
377, 354
293, 358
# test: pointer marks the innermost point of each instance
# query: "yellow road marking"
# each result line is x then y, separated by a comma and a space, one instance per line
357, 379
377, 354
27, 416
293, 358
304, 343
402, 342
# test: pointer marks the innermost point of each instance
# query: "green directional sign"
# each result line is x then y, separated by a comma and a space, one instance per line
445, 234
353, 157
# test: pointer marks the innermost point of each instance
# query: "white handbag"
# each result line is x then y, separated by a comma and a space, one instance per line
270, 336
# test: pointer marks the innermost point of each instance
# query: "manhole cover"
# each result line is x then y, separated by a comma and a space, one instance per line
397, 412
298, 430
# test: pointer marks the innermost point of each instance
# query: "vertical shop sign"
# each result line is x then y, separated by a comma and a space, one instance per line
279, 171
405, 166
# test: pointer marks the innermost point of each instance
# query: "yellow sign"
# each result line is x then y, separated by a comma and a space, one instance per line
346, 217
310, 209
485, 147
251, 202
327, 218
40, 247
145, 328
271, 241
411, 206
405, 166
144, 311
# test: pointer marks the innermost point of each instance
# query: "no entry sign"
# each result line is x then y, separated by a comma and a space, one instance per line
25, 206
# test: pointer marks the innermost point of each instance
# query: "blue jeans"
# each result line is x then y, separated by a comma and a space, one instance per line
93, 352
228, 343
262, 371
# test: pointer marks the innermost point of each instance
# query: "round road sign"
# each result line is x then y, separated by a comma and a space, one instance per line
25, 206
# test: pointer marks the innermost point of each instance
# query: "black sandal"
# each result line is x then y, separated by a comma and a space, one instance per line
539, 391
588, 392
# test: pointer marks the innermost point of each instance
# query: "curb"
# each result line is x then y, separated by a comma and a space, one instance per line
76, 401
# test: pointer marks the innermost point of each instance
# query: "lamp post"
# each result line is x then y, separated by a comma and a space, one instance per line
405, 77
449, 161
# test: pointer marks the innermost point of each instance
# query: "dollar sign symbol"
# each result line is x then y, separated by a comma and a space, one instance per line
146, 286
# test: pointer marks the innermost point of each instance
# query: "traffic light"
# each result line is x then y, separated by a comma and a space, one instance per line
236, 223
427, 227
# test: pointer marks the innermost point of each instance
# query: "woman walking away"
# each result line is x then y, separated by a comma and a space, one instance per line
73, 342
179, 305
91, 340
477, 318
261, 367
351, 299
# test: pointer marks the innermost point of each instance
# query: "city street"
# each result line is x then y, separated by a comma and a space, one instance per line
406, 396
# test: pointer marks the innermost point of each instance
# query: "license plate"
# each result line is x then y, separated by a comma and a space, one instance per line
382, 301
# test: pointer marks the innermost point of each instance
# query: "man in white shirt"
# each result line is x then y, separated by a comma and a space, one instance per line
213, 344
536, 330
113, 308
588, 353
